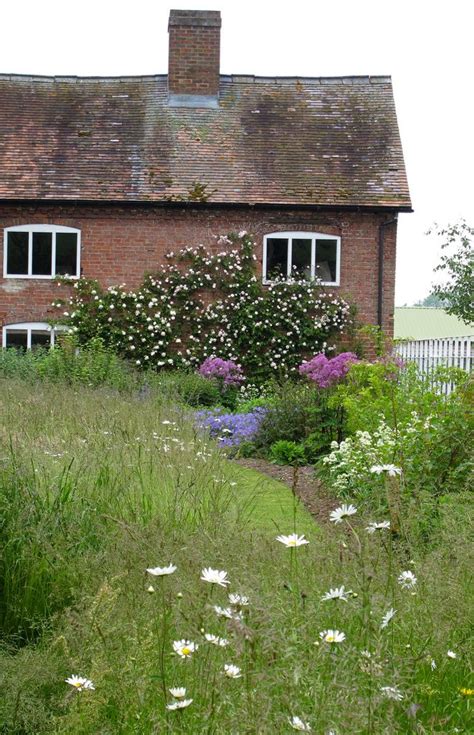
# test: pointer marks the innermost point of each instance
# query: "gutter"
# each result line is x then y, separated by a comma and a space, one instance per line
381, 254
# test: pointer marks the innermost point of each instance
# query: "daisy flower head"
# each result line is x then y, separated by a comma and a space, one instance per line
387, 617
79, 682
292, 540
178, 692
344, 511
231, 671
392, 693
332, 636
451, 654
224, 612
390, 469
184, 648
338, 593
298, 724
216, 640
214, 576
162, 571
407, 580
374, 526
238, 600
179, 704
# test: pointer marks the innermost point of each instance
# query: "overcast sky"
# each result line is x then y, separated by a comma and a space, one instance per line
425, 45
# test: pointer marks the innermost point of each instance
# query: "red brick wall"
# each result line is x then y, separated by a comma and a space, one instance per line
121, 243
194, 50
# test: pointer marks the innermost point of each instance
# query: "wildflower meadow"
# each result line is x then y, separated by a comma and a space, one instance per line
152, 583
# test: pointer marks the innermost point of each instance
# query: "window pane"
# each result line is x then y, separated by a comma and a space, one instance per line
326, 260
66, 253
277, 257
42, 247
16, 338
17, 256
301, 259
40, 339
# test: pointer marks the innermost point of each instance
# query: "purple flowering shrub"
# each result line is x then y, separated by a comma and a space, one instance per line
324, 371
226, 372
231, 429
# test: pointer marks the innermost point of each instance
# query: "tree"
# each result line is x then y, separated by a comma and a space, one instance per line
458, 265
432, 300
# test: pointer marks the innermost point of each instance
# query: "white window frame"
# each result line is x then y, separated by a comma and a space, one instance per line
53, 229
30, 327
313, 236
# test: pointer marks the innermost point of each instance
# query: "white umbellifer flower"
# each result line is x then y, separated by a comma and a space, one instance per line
298, 724
332, 636
451, 654
215, 577
338, 593
407, 580
292, 540
233, 672
224, 612
216, 640
180, 704
387, 617
343, 511
392, 693
184, 648
79, 682
162, 571
390, 469
238, 600
178, 692
374, 526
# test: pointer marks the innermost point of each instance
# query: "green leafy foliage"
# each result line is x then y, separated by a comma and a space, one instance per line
457, 264
285, 452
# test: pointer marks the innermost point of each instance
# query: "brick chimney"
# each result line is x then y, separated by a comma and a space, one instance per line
194, 46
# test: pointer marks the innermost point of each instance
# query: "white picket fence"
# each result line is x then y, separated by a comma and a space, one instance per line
432, 353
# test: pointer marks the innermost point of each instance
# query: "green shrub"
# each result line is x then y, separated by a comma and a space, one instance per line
285, 452
186, 387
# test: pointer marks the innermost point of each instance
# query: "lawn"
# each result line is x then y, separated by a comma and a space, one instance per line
98, 486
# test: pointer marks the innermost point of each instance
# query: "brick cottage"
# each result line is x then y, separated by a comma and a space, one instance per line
101, 177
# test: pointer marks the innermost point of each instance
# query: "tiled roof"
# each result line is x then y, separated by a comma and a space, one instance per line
325, 141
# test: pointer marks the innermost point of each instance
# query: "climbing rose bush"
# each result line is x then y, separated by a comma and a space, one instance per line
327, 371
225, 371
204, 304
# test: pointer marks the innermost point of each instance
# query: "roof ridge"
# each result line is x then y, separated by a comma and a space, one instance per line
249, 78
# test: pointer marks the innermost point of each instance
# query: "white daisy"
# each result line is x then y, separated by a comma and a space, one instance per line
162, 571
298, 724
336, 516
332, 636
407, 580
79, 682
392, 693
224, 612
238, 600
216, 640
338, 593
215, 577
233, 672
387, 617
374, 526
178, 692
451, 654
179, 704
292, 540
390, 469
184, 648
